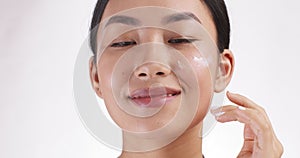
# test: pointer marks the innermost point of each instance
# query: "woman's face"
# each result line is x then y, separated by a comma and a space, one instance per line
154, 85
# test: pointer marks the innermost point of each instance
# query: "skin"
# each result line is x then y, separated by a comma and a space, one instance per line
259, 137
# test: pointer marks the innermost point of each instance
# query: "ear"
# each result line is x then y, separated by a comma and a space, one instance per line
225, 70
94, 77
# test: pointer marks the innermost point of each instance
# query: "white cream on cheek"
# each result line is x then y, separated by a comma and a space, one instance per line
180, 66
200, 61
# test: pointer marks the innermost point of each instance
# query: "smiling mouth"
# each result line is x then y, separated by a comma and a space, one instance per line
153, 97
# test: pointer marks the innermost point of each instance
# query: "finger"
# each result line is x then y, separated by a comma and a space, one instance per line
223, 109
245, 102
258, 122
253, 119
247, 149
231, 115
248, 133
249, 116
227, 108
240, 100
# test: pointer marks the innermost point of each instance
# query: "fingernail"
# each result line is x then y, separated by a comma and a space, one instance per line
231, 94
228, 92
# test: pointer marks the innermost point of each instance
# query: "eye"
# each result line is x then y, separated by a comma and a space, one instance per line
123, 44
181, 40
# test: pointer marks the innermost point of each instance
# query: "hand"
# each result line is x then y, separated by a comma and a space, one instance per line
260, 140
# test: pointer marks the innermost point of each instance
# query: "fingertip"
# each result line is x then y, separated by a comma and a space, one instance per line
227, 92
232, 96
218, 114
215, 109
229, 95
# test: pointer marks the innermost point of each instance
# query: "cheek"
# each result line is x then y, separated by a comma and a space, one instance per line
206, 93
105, 65
205, 85
112, 107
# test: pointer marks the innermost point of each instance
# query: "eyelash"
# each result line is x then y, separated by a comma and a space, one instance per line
123, 44
181, 41
171, 41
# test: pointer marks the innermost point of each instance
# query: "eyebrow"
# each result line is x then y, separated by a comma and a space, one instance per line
180, 16
123, 20
127, 20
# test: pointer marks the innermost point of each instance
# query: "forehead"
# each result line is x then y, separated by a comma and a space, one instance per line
197, 7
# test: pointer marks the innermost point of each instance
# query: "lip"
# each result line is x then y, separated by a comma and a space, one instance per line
153, 97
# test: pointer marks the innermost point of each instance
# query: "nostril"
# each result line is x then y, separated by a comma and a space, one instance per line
160, 73
142, 74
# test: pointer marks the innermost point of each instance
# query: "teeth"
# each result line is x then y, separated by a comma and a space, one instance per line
165, 95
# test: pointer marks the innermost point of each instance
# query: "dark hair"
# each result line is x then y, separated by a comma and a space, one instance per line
217, 9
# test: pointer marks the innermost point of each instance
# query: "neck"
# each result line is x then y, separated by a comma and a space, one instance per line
189, 144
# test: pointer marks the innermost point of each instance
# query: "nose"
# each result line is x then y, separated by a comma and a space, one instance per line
151, 70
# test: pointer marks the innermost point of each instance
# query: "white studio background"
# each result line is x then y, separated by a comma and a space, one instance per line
39, 42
